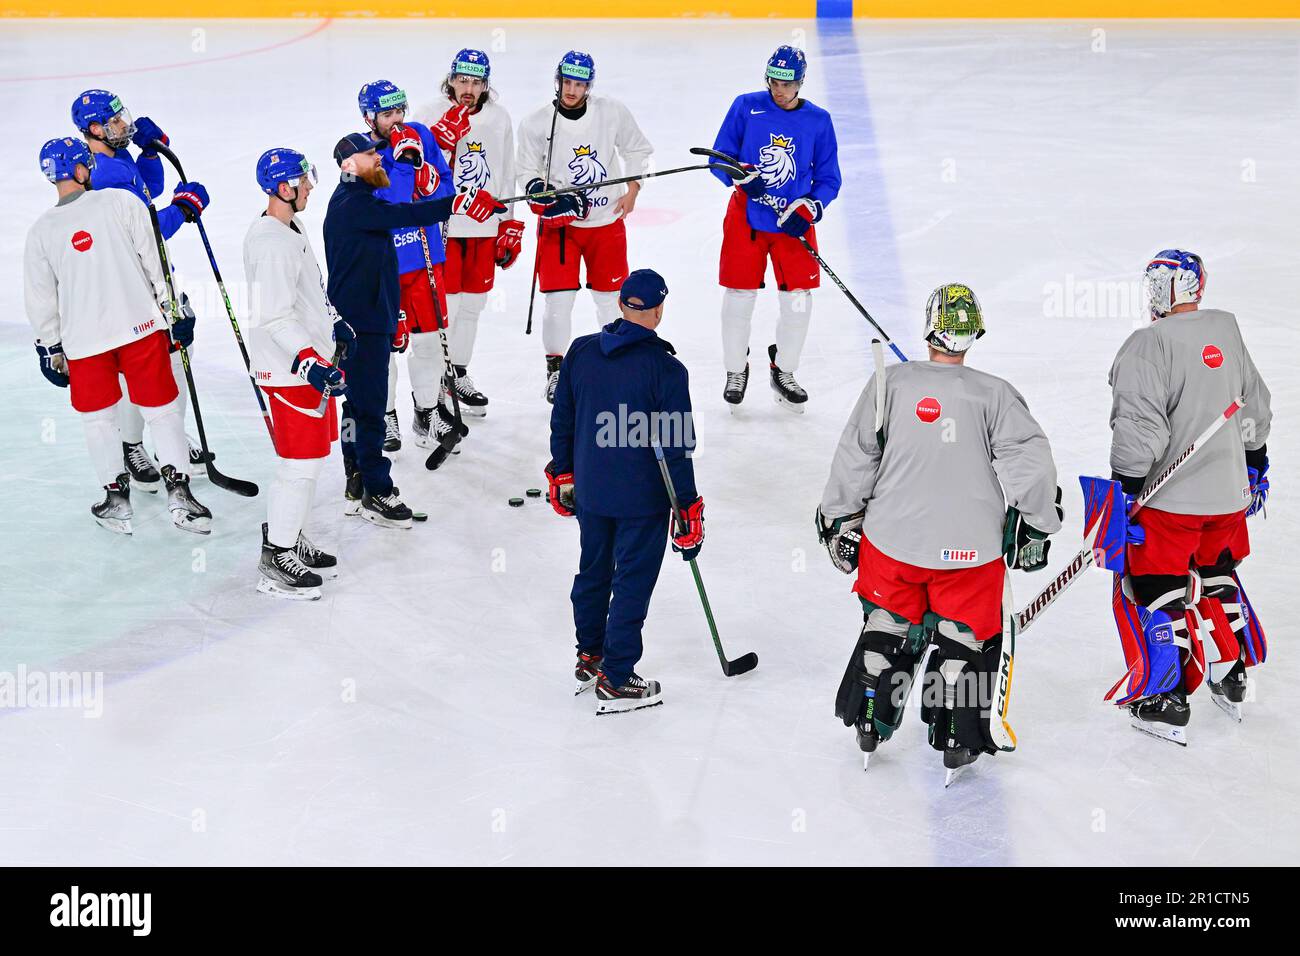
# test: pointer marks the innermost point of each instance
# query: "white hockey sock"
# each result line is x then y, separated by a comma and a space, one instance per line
557, 321
130, 423
425, 366
792, 327
290, 499
464, 327
167, 428
607, 309
392, 381
183, 390
102, 440
737, 315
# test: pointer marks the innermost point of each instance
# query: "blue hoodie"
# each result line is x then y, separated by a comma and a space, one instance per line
618, 389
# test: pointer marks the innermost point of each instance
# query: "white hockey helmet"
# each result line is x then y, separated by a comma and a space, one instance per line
1174, 277
953, 319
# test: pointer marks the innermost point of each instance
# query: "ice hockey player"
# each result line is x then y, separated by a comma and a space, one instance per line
483, 157
109, 131
917, 508
1170, 380
363, 285
789, 150
606, 473
417, 172
95, 296
579, 140
294, 339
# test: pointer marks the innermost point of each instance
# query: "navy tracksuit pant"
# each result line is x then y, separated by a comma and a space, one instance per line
617, 571
364, 404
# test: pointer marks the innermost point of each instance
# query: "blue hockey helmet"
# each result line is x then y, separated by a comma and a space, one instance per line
283, 165
59, 158
470, 62
1174, 277
101, 106
788, 63
379, 95
576, 65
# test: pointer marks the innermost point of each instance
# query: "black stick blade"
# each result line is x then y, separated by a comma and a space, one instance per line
236, 486
741, 665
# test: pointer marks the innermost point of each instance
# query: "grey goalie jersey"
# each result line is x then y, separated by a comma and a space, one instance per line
959, 446
1170, 381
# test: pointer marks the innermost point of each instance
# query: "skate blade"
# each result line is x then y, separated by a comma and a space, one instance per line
794, 408
424, 441
383, 522
185, 522
275, 589
625, 706
584, 685
866, 762
116, 525
148, 487
351, 508
473, 411
952, 776
1175, 735
1227, 706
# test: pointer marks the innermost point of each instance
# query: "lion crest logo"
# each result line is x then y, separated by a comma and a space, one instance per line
586, 167
472, 171
776, 161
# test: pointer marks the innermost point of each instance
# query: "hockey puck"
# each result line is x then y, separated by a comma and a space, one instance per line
516, 502
419, 516
534, 492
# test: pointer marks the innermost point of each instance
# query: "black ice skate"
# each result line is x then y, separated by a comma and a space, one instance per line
552, 376
785, 389
284, 575
868, 739
114, 512
322, 562
586, 671
1230, 693
955, 761
1164, 716
392, 432
420, 427
387, 511
353, 489
141, 468
472, 401
187, 513
634, 694
197, 458
733, 393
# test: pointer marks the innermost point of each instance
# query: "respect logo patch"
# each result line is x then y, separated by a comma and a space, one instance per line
928, 410
1212, 356
81, 240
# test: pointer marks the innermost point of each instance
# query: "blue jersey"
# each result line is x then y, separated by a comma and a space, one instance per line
123, 171
410, 256
795, 151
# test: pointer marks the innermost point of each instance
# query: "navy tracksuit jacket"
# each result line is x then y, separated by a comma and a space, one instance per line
617, 389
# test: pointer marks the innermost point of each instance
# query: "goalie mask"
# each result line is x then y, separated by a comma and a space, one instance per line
1174, 277
953, 319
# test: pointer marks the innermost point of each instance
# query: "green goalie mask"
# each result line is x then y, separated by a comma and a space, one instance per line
953, 319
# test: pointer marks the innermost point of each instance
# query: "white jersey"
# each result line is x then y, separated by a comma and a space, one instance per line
289, 310
603, 143
91, 273
484, 158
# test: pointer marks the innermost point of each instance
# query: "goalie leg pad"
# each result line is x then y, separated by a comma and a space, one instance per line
967, 691
1156, 635
880, 673
1224, 594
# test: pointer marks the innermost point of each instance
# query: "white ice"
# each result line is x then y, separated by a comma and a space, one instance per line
423, 711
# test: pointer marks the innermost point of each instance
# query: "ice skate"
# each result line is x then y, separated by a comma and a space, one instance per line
387, 511
733, 393
1229, 693
392, 432
552, 376
322, 562
472, 401
198, 459
635, 693
955, 762
785, 389
114, 512
586, 671
352, 490
868, 741
187, 513
421, 428
1163, 716
284, 575
141, 468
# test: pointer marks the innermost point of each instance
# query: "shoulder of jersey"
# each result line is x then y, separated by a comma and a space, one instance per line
814, 110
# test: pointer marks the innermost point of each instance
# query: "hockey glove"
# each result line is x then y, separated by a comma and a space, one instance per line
1023, 545
539, 206
146, 132
1134, 533
842, 538
751, 183
191, 199
799, 217
688, 529
565, 209
407, 146
54, 364
427, 181
1257, 469
318, 373
453, 125
476, 203
182, 330
402, 337
344, 336
560, 491
510, 239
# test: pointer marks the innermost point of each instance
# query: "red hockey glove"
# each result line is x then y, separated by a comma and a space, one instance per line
407, 146
402, 337
453, 125
799, 217
510, 239
476, 203
426, 181
688, 530
560, 491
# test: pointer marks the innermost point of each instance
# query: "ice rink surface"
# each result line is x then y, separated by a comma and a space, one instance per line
422, 712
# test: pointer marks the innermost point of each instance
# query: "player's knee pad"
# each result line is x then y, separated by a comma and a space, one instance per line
880, 673
299, 469
156, 413
967, 691
1156, 636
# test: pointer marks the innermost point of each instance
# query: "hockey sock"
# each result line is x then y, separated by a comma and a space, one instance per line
557, 321
737, 315
290, 499
425, 366
182, 388
130, 423
392, 382
168, 430
607, 309
464, 327
792, 327
102, 434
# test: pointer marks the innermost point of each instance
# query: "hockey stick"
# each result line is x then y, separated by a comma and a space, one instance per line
216, 273
569, 190
234, 485
459, 428
1087, 557
771, 203
537, 253
340, 351
744, 663
878, 359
